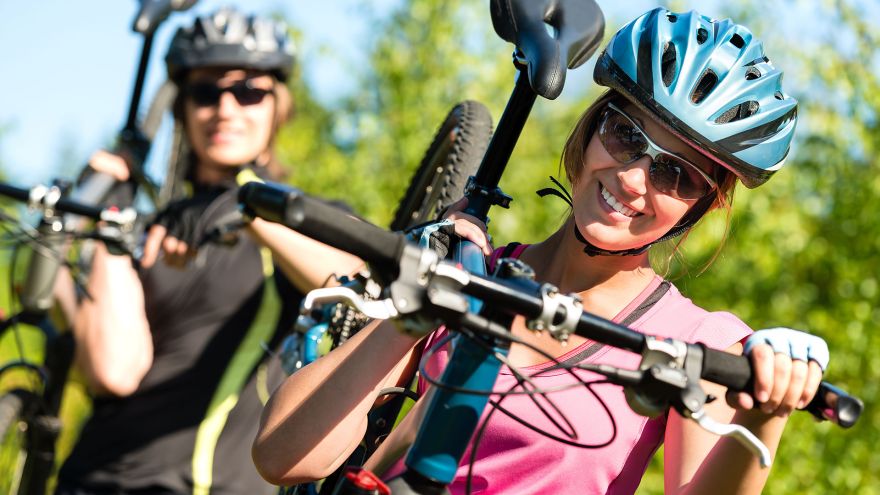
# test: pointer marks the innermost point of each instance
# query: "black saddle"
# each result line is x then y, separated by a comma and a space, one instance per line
551, 35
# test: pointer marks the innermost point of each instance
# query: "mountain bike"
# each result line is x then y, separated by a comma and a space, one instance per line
418, 286
29, 422
29, 419
415, 283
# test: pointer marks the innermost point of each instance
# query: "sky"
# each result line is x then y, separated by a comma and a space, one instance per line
69, 69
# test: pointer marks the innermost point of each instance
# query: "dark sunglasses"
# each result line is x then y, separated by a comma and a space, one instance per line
207, 94
669, 173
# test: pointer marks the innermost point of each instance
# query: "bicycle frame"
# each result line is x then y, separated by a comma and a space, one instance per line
433, 459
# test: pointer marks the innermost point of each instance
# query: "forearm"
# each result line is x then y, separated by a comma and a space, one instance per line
113, 342
308, 263
732, 469
317, 416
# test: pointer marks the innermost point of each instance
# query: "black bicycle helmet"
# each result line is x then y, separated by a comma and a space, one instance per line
229, 38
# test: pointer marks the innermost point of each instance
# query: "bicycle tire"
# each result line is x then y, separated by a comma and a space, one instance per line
13, 451
453, 156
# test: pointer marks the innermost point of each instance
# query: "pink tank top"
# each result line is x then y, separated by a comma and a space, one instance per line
512, 458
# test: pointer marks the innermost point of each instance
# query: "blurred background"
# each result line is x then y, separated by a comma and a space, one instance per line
376, 78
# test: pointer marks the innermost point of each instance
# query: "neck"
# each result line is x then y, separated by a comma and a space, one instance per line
602, 281
213, 175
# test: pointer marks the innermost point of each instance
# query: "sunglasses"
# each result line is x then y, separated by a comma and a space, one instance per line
669, 173
208, 94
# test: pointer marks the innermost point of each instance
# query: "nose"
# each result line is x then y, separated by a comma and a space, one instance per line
634, 176
227, 103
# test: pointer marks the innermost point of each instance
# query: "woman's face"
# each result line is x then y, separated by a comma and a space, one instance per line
235, 128
616, 206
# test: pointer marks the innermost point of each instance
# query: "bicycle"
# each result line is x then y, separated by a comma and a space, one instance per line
29, 422
34, 412
416, 283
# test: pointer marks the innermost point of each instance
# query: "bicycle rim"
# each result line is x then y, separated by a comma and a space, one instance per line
453, 156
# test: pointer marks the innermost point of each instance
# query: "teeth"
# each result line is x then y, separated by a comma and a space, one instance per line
617, 205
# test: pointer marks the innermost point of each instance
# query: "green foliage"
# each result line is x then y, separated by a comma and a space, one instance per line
803, 250
800, 251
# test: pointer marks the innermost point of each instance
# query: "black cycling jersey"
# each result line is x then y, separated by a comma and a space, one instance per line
189, 426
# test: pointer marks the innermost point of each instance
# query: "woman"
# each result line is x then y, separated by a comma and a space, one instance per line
693, 105
175, 349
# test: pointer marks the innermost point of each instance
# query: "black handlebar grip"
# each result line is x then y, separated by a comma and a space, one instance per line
835, 405
731, 370
735, 372
325, 223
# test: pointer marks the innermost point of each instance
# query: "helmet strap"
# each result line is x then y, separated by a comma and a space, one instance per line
689, 220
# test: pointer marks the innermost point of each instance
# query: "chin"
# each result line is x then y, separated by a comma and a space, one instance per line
231, 159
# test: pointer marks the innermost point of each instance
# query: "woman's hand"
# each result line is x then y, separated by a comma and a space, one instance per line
788, 366
468, 226
176, 253
111, 164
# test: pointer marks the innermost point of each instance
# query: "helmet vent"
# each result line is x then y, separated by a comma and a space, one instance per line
671, 17
704, 86
702, 35
667, 64
737, 41
738, 112
752, 73
778, 95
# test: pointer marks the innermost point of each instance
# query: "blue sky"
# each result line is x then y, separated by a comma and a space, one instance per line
69, 68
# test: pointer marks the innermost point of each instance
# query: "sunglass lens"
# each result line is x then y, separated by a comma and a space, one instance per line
623, 141
207, 94
671, 176
246, 95
204, 94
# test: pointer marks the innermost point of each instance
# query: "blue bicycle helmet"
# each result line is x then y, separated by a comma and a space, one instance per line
228, 38
709, 82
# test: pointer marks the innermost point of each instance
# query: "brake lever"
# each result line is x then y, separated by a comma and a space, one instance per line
379, 309
738, 432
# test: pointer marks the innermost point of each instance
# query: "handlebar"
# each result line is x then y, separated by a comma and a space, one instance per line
37, 291
385, 250
318, 220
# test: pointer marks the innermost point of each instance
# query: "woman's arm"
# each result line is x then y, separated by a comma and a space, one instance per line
317, 417
308, 263
698, 462
114, 347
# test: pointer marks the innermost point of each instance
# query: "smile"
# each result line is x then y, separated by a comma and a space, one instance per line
617, 205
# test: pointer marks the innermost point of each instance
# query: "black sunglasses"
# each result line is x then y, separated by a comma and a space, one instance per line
208, 94
669, 173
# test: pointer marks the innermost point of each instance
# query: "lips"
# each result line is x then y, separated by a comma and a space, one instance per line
616, 204
224, 136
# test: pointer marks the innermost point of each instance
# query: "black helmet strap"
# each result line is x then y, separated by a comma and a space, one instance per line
692, 217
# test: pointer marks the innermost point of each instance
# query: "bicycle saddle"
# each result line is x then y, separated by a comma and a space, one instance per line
576, 30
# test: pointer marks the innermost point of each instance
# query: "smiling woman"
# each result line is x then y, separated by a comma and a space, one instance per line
664, 145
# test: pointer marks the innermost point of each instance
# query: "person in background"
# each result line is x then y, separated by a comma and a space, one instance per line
176, 349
